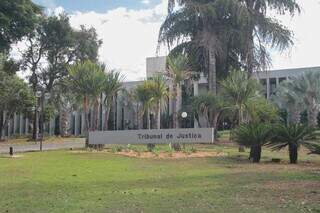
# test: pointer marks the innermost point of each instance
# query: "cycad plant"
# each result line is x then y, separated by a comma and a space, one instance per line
293, 136
253, 135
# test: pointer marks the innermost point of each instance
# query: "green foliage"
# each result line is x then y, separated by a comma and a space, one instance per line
210, 106
301, 93
87, 44
86, 79
17, 19
239, 91
253, 134
292, 136
261, 110
15, 97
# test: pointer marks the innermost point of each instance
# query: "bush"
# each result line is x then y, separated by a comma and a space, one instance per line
293, 136
254, 136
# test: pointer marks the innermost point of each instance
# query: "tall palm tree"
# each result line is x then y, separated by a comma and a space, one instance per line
201, 26
160, 94
177, 71
237, 31
259, 31
87, 80
111, 88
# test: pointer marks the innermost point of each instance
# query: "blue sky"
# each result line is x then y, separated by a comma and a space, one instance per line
97, 5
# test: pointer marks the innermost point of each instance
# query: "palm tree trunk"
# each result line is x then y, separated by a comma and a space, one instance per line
174, 108
86, 115
212, 72
293, 153
295, 116
256, 153
313, 116
106, 118
95, 115
148, 119
159, 115
64, 122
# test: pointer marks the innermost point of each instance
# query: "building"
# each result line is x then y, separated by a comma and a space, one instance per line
124, 115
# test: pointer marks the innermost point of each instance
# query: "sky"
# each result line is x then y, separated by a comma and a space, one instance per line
129, 30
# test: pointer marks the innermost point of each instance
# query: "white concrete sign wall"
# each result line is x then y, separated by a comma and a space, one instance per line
154, 136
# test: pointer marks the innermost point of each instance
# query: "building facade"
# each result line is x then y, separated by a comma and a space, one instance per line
125, 113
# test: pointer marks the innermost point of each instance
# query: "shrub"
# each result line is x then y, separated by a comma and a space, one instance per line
293, 136
253, 135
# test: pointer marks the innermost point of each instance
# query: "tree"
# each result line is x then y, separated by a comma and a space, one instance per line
293, 136
177, 71
144, 94
17, 19
239, 89
201, 28
16, 97
286, 98
211, 106
87, 80
259, 31
253, 135
111, 88
307, 86
160, 94
87, 44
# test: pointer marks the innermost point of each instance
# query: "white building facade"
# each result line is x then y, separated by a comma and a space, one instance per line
125, 113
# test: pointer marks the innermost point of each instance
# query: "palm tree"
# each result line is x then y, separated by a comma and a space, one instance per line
177, 71
87, 80
201, 28
287, 98
293, 136
307, 86
160, 94
253, 135
111, 88
258, 31
210, 106
143, 94
239, 90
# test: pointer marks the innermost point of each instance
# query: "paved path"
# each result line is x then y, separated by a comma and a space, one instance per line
4, 148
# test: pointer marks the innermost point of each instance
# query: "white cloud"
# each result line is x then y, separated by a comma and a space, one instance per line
145, 1
305, 52
129, 36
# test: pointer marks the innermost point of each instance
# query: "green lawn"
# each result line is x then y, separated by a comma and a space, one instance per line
69, 181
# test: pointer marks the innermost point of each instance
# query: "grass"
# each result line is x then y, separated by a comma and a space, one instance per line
77, 181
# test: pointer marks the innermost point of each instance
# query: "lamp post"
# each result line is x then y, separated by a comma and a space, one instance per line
184, 115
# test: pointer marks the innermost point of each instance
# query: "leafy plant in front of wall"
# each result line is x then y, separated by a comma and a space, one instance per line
254, 136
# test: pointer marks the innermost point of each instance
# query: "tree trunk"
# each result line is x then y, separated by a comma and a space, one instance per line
106, 118
255, 153
295, 116
212, 72
293, 153
158, 115
148, 119
240, 120
313, 116
64, 121
174, 111
35, 124
86, 115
